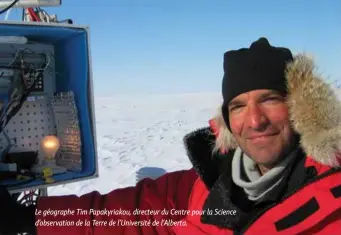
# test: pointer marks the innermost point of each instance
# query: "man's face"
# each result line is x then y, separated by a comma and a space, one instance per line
259, 122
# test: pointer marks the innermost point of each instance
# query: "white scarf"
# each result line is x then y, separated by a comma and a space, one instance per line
246, 175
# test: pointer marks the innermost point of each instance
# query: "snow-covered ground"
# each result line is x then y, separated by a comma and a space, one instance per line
142, 131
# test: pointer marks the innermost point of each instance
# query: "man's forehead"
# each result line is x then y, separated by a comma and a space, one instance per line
255, 93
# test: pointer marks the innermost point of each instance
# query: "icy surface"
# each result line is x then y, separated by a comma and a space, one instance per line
142, 131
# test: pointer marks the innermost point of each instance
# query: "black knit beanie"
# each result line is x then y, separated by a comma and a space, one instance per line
261, 66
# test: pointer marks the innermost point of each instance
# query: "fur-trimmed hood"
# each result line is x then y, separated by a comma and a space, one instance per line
315, 113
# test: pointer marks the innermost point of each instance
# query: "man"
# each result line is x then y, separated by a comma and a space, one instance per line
268, 164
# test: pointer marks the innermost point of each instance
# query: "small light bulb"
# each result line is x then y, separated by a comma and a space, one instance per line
50, 145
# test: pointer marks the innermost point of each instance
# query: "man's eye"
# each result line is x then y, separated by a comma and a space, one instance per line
236, 107
273, 98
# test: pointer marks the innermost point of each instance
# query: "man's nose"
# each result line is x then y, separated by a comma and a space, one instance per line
256, 118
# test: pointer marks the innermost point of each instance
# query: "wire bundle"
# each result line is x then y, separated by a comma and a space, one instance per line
39, 15
20, 89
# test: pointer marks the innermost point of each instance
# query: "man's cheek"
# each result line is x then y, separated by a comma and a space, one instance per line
236, 125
